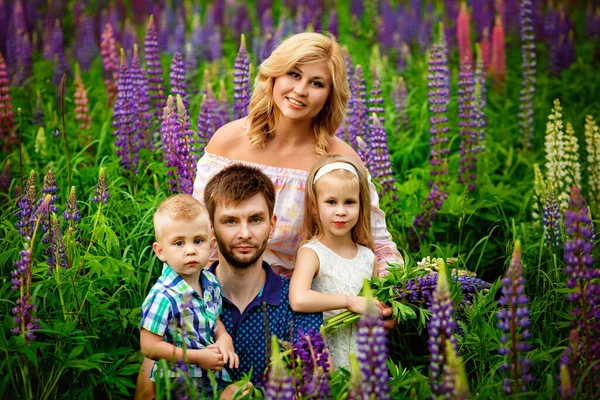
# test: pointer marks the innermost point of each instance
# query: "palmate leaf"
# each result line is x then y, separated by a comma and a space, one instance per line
106, 238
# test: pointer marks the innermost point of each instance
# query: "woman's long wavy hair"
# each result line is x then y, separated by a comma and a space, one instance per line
302, 48
312, 226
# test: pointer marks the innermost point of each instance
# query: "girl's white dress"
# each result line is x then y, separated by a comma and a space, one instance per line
338, 275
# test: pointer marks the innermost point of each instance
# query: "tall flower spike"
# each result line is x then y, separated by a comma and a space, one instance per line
101, 190
186, 150
584, 292
513, 320
57, 255
82, 110
467, 123
539, 193
7, 122
380, 164
140, 90
592, 142
312, 355
455, 376
551, 220
177, 76
498, 57
463, 35
49, 188
26, 205
571, 158
480, 103
280, 383
110, 63
556, 171
241, 81
153, 68
400, 100
528, 69
372, 352
441, 327
169, 132
71, 213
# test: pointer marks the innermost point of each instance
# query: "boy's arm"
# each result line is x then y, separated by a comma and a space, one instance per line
154, 347
304, 299
224, 343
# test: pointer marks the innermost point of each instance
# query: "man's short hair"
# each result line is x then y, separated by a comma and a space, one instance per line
176, 207
235, 184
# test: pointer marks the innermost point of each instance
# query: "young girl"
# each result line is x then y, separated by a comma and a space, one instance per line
336, 256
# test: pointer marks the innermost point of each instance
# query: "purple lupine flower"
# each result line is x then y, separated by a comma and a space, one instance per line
372, 354
241, 82
422, 222
141, 96
528, 69
169, 131
57, 53
178, 41
208, 117
513, 320
467, 132
360, 111
357, 9
126, 119
48, 189
332, 26
101, 190
7, 122
313, 356
71, 213
480, 102
215, 46
223, 105
129, 38
441, 327
438, 98
153, 68
551, 220
584, 292
375, 101
26, 205
380, 164
280, 384
57, 255
86, 47
399, 98
186, 149
177, 77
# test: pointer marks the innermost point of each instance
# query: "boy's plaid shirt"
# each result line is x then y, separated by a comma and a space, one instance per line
172, 304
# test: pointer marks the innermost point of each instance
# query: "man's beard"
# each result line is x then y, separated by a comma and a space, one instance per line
235, 261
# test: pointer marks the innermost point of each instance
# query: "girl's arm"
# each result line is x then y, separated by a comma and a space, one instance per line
304, 299
154, 347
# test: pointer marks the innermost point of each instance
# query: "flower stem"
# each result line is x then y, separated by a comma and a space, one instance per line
64, 130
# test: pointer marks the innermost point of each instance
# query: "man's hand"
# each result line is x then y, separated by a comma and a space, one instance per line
225, 346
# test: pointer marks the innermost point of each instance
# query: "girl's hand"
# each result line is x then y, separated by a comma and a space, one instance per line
358, 304
210, 358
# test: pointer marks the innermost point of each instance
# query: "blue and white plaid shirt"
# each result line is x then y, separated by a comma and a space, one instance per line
173, 304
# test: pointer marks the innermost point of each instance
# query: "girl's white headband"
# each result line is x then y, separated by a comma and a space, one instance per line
325, 169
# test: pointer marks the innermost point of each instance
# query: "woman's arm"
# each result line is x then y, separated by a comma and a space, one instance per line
304, 299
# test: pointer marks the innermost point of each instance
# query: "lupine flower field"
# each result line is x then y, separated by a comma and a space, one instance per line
478, 121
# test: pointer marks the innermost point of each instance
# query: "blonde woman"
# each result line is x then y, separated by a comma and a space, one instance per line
299, 100
335, 257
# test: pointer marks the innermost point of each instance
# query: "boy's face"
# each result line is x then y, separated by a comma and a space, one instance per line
242, 230
184, 244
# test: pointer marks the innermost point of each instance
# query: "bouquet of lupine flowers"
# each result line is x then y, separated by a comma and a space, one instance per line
409, 291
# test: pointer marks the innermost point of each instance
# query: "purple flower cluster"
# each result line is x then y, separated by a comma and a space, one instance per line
153, 68
528, 68
438, 98
372, 354
101, 190
422, 222
178, 146
26, 206
139, 83
584, 288
467, 122
49, 188
280, 385
313, 356
442, 327
558, 32
57, 255
379, 158
177, 76
513, 320
241, 82
399, 98
375, 101
86, 46
551, 220
71, 213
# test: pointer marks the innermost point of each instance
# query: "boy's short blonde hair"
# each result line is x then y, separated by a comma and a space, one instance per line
176, 207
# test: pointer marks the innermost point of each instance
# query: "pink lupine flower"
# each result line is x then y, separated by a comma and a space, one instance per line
463, 34
498, 61
110, 63
82, 111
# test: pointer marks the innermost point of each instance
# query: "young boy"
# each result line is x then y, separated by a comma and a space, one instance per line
186, 296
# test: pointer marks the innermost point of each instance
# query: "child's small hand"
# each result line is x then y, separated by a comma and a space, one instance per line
225, 346
210, 358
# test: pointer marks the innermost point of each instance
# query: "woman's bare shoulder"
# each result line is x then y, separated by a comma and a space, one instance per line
338, 146
226, 138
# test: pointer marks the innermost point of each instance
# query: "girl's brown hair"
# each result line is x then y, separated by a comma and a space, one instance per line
312, 227
302, 48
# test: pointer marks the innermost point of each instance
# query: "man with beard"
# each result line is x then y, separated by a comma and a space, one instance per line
240, 202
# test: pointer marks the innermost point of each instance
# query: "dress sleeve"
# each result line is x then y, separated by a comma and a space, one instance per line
385, 248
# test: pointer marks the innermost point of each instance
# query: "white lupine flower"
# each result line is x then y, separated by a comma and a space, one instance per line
572, 157
592, 141
556, 163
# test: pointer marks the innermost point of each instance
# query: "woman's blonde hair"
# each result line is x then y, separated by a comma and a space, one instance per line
302, 48
312, 227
